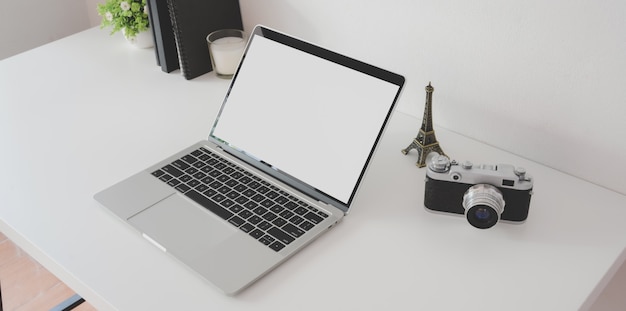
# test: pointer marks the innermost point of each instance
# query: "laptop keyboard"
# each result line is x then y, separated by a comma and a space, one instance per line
269, 215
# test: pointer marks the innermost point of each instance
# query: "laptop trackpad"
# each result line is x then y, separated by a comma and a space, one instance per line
181, 227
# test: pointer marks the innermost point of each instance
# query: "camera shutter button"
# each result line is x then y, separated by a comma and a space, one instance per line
440, 164
520, 172
467, 165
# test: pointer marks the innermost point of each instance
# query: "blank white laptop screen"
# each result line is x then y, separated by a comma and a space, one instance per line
335, 116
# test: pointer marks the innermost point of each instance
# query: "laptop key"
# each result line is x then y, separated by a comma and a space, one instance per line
182, 188
185, 178
291, 205
199, 175
286, 214
264, 225
241, 200
314, 218
277, 246
180, 164
173, 182
256, 233
266, 239
279, 222
232, 183
209, 193
301, 210
255, 219
166, 177
236, 208
202, 188
267, 203
247, 227
172, 170
306, 225
207, 180
281, 200
208, 204
189, 159
245, 214
276, 208
193, 183
233, 195
293, 230
296, 219
257, 198
259, 211
218, 197
272, 195
227, 203
199, 164
269, 216
280, 235
236, 221
216, 184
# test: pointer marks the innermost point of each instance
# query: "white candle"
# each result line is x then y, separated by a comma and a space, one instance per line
226, 53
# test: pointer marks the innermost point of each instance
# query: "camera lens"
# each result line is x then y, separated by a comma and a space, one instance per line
482, 212
482, 216
483, 205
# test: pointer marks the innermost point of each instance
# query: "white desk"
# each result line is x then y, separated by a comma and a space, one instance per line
79, 114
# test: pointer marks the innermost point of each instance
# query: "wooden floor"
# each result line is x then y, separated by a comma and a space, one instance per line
26, 285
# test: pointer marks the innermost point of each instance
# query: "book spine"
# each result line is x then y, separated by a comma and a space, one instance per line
173, 10
164, 41
151, 14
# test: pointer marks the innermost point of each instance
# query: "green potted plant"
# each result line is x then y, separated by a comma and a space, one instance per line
129, 16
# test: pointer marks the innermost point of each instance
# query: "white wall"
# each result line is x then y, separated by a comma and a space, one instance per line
92, 12
27, 24
542, 79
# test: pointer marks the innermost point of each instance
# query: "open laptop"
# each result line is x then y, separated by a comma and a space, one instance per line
282, 163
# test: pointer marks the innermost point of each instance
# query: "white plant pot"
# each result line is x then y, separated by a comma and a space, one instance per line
142, 40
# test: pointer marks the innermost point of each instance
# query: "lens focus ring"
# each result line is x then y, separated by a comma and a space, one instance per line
480, 201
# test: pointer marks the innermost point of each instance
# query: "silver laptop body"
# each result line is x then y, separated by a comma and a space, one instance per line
300, 121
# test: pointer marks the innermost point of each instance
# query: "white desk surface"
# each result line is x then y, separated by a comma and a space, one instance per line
80, 114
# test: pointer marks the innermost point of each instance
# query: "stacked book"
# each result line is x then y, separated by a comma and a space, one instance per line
180, 28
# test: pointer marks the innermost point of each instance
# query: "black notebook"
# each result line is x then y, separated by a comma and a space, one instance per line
165, 44
192, 21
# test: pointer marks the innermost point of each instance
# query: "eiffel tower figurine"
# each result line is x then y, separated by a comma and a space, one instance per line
425, 142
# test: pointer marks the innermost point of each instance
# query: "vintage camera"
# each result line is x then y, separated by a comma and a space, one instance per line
483, 193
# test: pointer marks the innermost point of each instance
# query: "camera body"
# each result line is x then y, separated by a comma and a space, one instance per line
484, 193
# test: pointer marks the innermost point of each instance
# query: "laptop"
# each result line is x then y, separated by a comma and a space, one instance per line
282, 163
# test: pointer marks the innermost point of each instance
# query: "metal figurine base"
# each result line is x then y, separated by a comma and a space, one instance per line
425, 142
